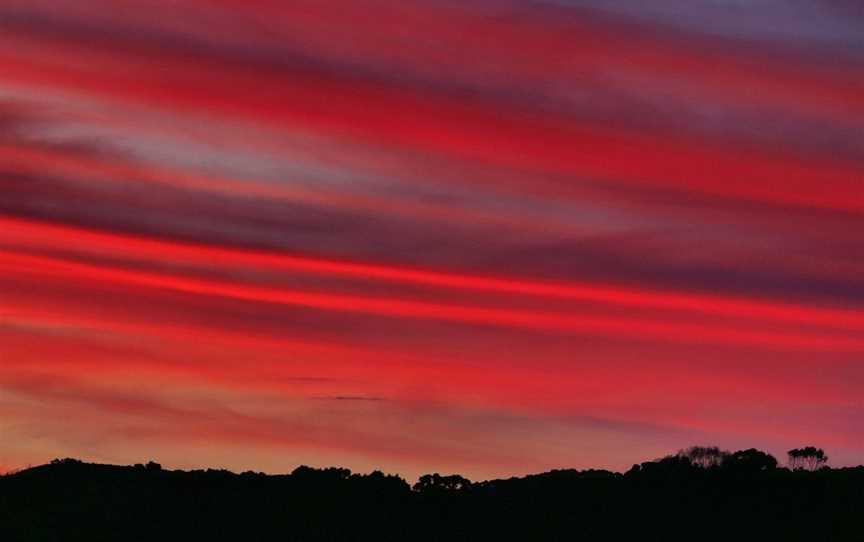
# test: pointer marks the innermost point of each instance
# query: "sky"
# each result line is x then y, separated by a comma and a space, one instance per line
491, 237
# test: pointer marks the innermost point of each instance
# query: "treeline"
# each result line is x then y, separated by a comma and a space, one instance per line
701, 493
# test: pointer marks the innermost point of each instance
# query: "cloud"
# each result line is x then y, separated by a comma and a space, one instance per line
475, 235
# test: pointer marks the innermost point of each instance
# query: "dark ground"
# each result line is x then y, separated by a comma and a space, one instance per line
667, 500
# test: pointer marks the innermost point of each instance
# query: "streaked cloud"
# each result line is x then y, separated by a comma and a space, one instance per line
490, 236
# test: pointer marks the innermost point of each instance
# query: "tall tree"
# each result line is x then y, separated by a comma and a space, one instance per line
704, 456
808, 458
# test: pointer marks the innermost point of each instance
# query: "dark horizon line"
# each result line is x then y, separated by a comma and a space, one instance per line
157, 466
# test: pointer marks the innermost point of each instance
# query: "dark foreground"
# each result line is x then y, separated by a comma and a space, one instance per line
670, 500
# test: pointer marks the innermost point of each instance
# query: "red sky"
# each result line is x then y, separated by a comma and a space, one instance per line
490, 237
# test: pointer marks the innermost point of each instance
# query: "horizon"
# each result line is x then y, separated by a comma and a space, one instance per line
780, 465
492, 237
671, 498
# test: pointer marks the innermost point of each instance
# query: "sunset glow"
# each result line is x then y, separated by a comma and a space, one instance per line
491, 237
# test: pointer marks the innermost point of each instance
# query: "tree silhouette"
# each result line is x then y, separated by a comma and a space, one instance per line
436, 482
705, 457
750, 460
740, 495
808, 458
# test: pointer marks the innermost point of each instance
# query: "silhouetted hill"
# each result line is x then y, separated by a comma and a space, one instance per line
676, 498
